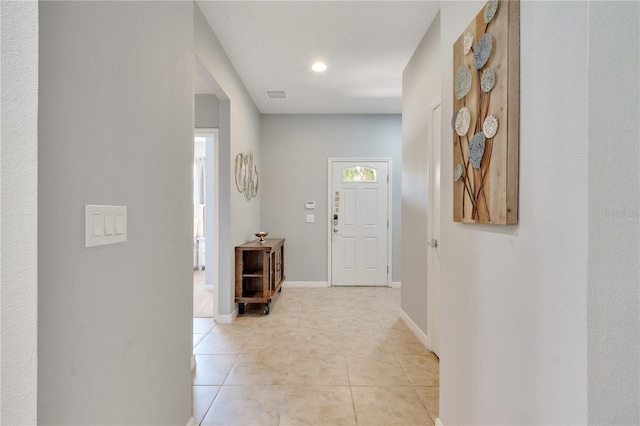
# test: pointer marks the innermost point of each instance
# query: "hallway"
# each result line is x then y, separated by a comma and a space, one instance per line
331, 356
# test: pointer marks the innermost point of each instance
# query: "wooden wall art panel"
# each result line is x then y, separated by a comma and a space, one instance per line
486, 111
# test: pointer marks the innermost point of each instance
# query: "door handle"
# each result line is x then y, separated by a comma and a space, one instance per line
335, 230
433, 243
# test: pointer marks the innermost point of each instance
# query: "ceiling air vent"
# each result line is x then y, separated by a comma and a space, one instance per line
275, 93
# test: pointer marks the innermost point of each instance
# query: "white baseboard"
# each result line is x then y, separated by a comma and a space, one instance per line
305, 284
227, 319
439, 422
191, 422
396, 284
415, 329
193, 362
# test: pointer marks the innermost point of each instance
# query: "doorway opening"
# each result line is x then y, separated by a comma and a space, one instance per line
205, 223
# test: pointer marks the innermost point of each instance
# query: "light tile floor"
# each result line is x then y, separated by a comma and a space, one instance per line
327, 356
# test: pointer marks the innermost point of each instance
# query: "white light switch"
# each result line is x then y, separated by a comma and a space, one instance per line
311, 218
98, 225
109, 224
120, 222
105, 225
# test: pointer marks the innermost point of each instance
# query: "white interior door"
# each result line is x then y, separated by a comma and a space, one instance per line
359, 223
433, 230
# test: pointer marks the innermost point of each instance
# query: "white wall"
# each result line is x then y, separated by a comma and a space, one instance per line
540, 320
514, 299
18, 214
239, 132
295, 149
614, 196
115, 127
420, 88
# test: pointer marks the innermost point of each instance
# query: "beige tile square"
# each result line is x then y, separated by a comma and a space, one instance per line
197, 338
212, 369
388, 406
430, 397
372, 370
262, 343
260, 369
278, 324
422, 369
360, 323
203, 397
221, 343
236, 327
318, 323
406, 344
367, 342
317, 343
318, 370
246, 405
317, 405
203, 325
248, 320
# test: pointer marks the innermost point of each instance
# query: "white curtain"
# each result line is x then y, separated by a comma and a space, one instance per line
198, 197
198, 181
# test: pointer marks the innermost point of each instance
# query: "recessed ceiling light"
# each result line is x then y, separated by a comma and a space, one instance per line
319, 67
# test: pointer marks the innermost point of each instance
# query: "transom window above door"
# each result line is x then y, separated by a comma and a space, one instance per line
359, 174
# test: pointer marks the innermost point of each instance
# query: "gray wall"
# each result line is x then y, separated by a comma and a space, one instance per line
419, 91
513, 327
239, 132
207, 112
18, 214
614, 226
115, 127
295, 149
542, 321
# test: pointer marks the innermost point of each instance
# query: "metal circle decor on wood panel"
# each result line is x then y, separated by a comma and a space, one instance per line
463, 81
485, 97
246, 173
482, 51
476, 150
487, 80
457, 172
490, 126
463, 120
490, 10
468, 42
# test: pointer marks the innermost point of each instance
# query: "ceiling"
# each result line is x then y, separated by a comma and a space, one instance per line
365, 44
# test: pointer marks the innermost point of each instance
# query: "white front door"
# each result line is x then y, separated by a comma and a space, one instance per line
359, 227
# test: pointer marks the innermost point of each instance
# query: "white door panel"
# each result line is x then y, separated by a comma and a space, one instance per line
359, 227
433, 229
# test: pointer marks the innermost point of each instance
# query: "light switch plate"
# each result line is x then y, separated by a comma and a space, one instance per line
104, 225
311, 218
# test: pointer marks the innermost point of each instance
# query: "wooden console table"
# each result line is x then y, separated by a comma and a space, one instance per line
259, 272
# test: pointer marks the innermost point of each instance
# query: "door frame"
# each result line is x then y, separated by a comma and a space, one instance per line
212, 214
433, 321
330, 162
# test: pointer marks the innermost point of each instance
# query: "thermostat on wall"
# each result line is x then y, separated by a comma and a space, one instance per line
310, 205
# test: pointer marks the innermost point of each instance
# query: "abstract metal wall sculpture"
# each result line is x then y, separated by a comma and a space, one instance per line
246, 173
